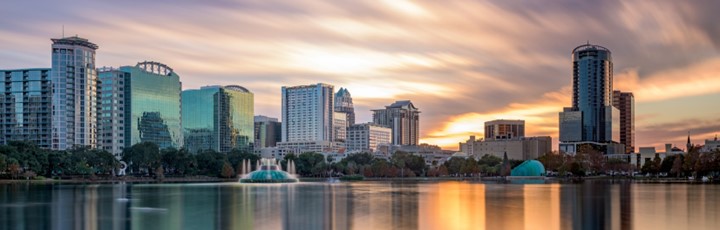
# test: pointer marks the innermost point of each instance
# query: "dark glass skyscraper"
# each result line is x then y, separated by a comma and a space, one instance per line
218, 118
590, 119
74, 89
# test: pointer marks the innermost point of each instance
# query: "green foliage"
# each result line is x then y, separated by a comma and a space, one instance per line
310, 164
142, 157
227, 170
210, 163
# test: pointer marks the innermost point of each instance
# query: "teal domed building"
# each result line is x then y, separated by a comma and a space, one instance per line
529, 168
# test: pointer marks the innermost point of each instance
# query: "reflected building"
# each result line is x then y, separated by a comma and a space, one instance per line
218, 118
139, 103
404, 120
74, 94
25, 112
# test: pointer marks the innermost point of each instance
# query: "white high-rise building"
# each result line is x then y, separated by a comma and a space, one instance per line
366, 137
307, 118
74, 96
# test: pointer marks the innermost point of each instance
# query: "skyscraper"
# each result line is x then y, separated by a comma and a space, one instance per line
344, 104
114, 86
153, 110
218, 118
74, 96
139, 103
590, 119
625, 102
404, 120
307, 117
25, 99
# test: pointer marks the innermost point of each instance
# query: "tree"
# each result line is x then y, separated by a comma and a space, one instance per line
469, 167
307, 161
380, 167
454, 165
677, 165
506, 167
227, 170
597, 161
142, 157
210, 163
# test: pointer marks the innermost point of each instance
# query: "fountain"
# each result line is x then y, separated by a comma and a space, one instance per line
268, 171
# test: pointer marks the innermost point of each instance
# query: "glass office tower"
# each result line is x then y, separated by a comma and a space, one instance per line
25, 99
74, 93
218, 118
153, 109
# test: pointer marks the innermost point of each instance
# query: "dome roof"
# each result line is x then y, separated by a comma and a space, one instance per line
268, 176
529, 168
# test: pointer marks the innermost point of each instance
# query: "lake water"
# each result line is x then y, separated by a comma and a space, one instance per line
361, 205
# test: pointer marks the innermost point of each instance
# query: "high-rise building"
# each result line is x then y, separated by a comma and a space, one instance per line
366, 137
74, 93
404, 120
113, 87
340, 126
307, 118
625, 102
504, 129
25, 99
344, 104
592, 101
267, 132
218, 118
153, 109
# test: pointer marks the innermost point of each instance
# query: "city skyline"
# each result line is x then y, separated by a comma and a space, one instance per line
461, 69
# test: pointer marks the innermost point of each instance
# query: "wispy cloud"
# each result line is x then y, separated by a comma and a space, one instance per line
461, 62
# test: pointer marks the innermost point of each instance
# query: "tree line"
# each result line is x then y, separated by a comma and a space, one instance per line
26, 160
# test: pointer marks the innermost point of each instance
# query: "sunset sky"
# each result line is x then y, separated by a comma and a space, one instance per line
461, 62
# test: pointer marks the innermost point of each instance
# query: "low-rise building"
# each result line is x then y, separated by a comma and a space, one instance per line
519, 148
366, 137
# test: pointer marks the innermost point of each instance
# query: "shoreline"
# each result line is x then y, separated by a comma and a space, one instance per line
207, 179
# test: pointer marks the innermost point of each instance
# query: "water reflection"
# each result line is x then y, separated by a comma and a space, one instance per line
361, 205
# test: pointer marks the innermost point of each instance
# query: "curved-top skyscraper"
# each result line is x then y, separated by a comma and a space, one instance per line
593, 91
590, 119
74, 97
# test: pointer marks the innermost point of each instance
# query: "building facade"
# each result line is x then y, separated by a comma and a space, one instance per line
218, 118
340, 127
266, 131
74, 93
519, 148
307, 118
367, 137
344, 104
25, 112
625, 102
504, 129
592, 100
404, 120
152, 105
113, 87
